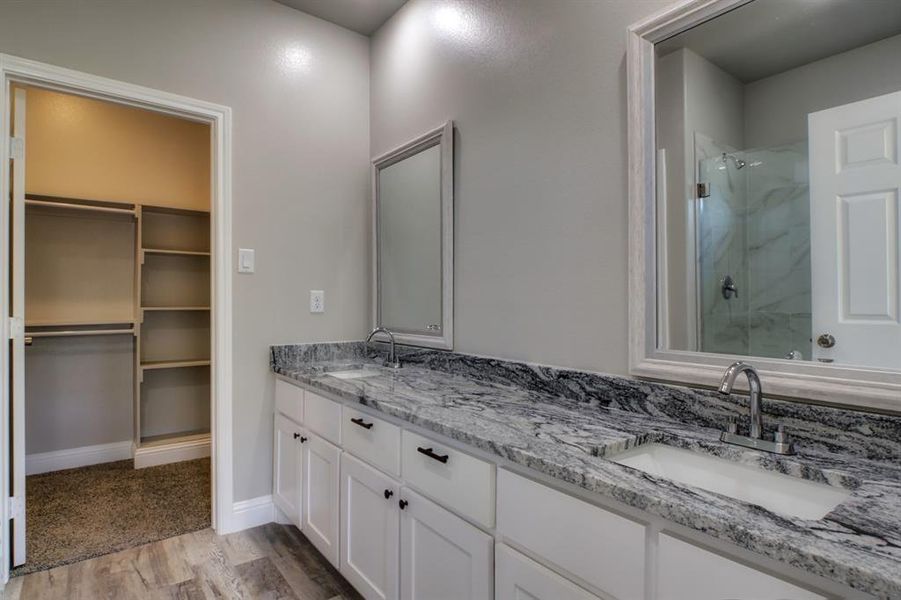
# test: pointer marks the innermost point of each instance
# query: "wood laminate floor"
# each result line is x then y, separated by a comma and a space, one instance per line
270, 562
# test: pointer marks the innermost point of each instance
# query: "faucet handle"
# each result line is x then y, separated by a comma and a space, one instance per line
732, 427
780, 437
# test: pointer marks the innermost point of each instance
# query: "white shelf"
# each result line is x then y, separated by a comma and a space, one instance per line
164, 251
174, 364
152, 308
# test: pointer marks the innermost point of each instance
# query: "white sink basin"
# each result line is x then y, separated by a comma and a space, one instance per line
776, 492
353, 373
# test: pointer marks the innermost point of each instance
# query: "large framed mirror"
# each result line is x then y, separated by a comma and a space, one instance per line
765, 170
413, 240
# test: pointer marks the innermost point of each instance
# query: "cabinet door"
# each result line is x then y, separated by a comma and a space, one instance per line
521, 578
687, 572
370, 530
442, 557
320, 495
286, 468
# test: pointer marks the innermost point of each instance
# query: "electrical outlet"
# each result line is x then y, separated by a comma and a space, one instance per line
317, 301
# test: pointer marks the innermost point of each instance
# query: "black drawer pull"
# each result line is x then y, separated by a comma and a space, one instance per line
402, 504
362, 423
296, 435
442, 458
303, 440
388, 494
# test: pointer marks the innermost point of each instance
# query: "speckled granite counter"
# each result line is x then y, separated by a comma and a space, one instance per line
562, 423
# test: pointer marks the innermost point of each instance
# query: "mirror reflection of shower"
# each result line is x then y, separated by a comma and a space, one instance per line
726, 157
752, 249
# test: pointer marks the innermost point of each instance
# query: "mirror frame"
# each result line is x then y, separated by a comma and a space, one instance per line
444, 137
860, 387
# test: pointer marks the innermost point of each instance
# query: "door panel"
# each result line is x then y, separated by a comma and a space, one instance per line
442, 556
287, 465
370, 530
320, 495
855, 177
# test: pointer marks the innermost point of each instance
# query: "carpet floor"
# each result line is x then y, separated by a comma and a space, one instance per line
81, 513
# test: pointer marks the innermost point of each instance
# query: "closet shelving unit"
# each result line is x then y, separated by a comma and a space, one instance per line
172, 358
106, 270
83, 293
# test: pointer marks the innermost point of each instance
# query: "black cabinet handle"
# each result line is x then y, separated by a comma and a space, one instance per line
362, 423
402, 504
302, 440
442, 458
296, 435
388, 494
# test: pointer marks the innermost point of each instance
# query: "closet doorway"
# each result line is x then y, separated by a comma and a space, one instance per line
116, 305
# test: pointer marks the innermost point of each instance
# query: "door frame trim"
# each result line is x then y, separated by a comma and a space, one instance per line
219, 117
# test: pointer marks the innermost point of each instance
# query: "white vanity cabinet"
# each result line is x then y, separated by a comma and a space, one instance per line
370, 530
442, 557
286, 467
604, 549
407, 516
687, 572
320, 493
518, 578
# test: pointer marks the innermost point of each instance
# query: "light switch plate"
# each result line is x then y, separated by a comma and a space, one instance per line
317, 301
246, 260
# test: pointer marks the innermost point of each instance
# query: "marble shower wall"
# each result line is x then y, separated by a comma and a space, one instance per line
755, 226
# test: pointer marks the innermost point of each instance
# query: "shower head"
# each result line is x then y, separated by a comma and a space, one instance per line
739, 163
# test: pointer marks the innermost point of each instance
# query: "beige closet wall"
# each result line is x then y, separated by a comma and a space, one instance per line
299, 91
85, 148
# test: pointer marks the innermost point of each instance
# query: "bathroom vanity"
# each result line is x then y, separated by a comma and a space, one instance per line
482, 478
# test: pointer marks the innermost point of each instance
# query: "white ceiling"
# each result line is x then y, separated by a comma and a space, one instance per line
362, 16
766, 37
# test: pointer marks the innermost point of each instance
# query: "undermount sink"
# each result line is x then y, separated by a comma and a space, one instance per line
776, 492
353, 373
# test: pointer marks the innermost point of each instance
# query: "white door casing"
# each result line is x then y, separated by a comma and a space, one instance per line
370, 530
17, 328
855, 176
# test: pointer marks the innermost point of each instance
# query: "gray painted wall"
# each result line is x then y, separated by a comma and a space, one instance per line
537, 93
299, 89
776, 107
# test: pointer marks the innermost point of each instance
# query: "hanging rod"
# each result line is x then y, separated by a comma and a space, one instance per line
106, 209
76, 332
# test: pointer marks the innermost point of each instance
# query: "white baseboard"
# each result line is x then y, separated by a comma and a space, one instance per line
71, 458
177, 451
252, 513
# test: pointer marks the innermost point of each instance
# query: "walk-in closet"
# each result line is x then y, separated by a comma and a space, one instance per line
117, 323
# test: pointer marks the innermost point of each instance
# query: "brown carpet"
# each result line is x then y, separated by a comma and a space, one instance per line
81, 513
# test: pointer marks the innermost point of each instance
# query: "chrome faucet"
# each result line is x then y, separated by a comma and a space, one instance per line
392, 361
780, 443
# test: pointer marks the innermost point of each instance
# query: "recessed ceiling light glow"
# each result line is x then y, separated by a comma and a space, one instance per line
296, 58
453, 21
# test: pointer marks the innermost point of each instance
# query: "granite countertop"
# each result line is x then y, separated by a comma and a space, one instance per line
564, 423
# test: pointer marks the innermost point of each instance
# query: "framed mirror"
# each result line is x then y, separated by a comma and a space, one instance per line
413, 240
765, 171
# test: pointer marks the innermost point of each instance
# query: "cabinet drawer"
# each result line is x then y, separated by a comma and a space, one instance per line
601, 548
289, 400
372, 440
687, 572
454, 479
322, 416
517, 577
